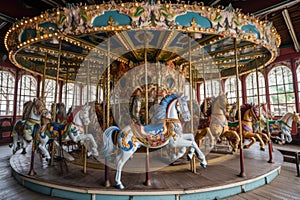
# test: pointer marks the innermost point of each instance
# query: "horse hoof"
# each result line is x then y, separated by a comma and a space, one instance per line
203, 165
262, 148
120, 186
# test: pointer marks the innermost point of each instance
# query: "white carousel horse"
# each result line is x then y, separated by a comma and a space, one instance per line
166, 131
73, 130
23, 129
218, 126
284, 124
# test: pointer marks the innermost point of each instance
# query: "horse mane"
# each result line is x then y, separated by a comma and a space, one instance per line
163, 105
244, 108
26, 109
73, 113
286, 116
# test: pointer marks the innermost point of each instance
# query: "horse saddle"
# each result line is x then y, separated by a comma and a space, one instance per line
153, 135
233, 124
204, 123
55, 128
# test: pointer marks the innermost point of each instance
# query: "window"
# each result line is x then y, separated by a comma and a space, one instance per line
7, 82
27, 88
73, 95
230, 88
251, 88
212, 89
282, 98
49, 92
88, 96
298, 78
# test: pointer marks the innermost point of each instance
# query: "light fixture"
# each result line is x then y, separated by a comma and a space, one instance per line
289, 24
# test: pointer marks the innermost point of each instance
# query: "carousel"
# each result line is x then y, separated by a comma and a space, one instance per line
145, 134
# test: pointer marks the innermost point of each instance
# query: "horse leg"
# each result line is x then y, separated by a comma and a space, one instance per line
261, 142
250, 136
45, 153
91, 139
24, 146
199, 136
121, 160
233, 139
187, 140
211, 137
15, 144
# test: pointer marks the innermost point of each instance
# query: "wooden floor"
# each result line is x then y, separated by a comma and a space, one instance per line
285, 186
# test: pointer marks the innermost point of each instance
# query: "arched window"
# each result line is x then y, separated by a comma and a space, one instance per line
27, 88
212, 89
251, 88
298, 78
7, 83
282, 98
230, 88
49, 92
73, 95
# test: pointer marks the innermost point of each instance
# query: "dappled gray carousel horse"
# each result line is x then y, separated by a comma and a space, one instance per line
166, 131
23, 129
218, 126
284, 125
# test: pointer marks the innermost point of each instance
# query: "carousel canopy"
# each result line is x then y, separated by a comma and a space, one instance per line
81, 41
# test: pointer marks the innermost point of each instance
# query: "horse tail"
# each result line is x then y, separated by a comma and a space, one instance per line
17, 127
108, 143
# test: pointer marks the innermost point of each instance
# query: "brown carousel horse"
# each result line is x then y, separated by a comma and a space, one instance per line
250, 113
204, 121
218, 125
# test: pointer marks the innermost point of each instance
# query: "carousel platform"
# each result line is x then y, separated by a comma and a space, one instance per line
219, 180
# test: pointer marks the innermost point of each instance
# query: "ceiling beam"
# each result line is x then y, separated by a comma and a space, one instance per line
52, 3
276, 7
289, 24
7, 18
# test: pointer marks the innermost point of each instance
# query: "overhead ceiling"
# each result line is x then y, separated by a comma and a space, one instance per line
271, 10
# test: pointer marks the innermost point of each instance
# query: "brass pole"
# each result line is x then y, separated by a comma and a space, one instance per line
107, 182
220, 81
204, 82
193, 164
44, 76
147, 182
66, 90
57, 77
242, 165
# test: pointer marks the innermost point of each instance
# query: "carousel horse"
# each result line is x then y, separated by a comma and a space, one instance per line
135, 106
167, 130
250, 113
232, 110
284, 125
61, 114
101, 110
218, 125
204, 121
73, 130
23, 129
